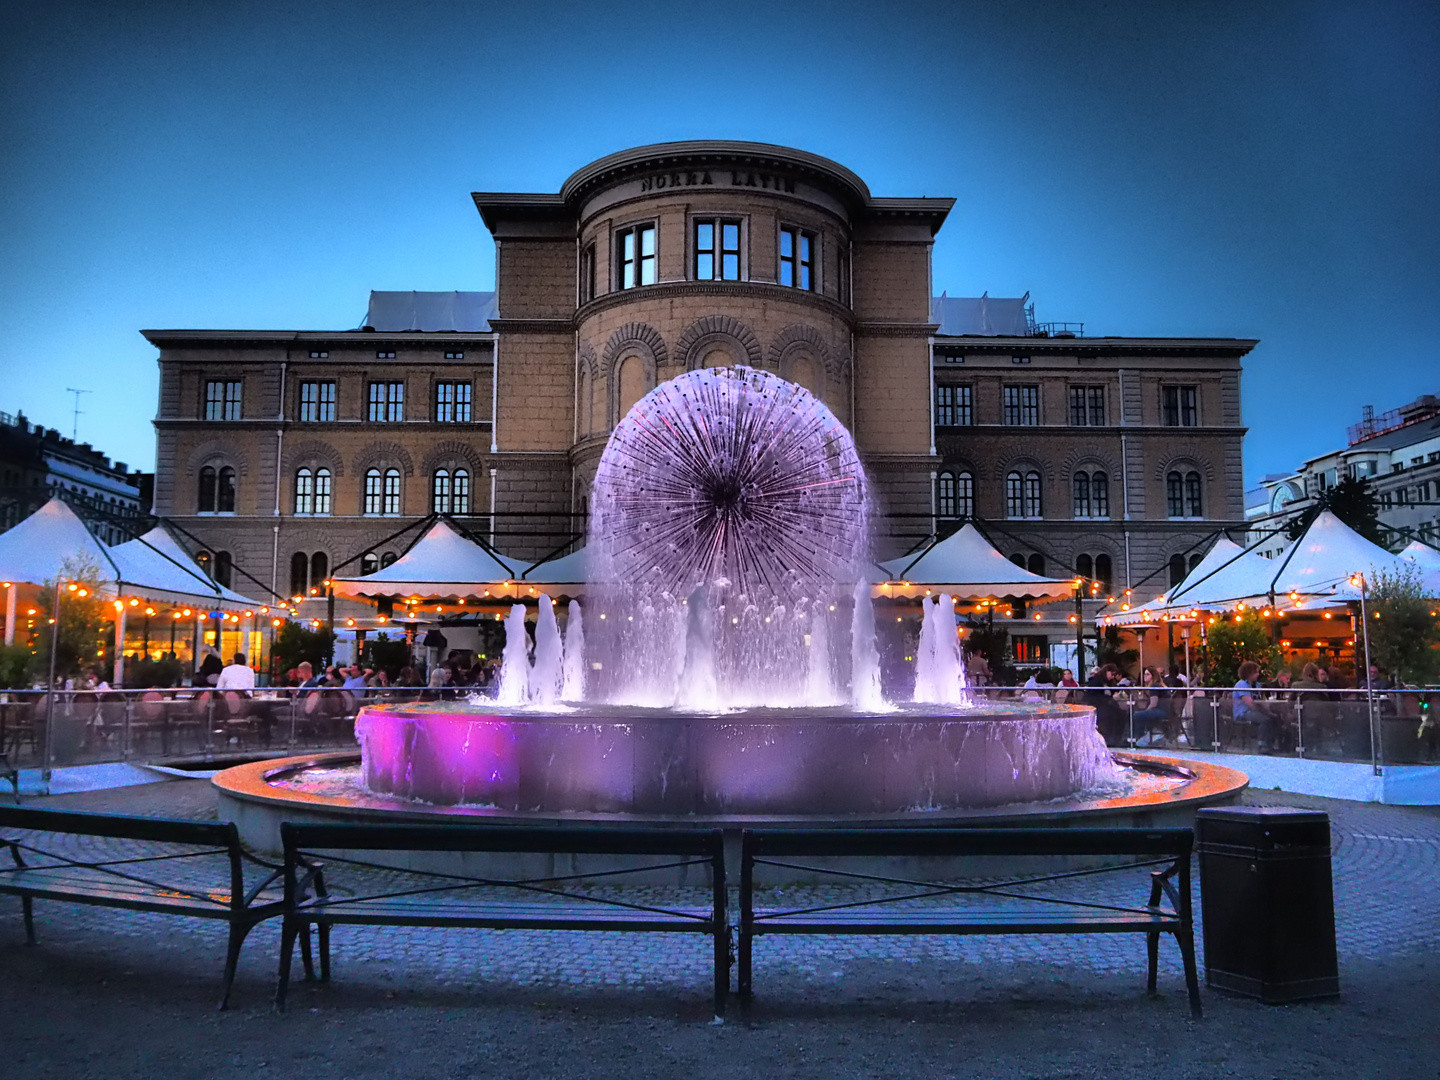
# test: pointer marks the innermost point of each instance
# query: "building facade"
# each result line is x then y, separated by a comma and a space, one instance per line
293, 453
1397, 453
38, 464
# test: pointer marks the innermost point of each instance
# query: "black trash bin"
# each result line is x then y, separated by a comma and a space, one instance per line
1267, 901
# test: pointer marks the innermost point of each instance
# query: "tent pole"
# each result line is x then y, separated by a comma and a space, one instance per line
11, 588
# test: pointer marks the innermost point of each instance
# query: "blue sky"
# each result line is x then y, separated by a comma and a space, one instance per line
1247, 170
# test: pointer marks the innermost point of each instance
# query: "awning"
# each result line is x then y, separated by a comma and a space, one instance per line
966, 566
442, 563
1426, 559
36, 550
1167, 607
571, 572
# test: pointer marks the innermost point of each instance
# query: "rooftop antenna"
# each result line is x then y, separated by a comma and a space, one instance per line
75, 426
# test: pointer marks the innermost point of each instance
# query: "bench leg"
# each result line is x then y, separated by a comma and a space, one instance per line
324, 934
1152, 939
743, 974
238, 931
1192, 980
722, 970
288, 931
27, 903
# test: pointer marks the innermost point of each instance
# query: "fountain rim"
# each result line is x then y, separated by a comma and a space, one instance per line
1207, 784
904, 712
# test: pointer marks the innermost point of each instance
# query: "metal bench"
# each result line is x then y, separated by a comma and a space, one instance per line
1011, 906
190, 868
9, 773
450, 897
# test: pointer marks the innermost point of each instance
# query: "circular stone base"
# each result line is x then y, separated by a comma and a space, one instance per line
249, 796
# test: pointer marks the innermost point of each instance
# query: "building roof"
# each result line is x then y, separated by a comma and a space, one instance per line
987, 316
437, 312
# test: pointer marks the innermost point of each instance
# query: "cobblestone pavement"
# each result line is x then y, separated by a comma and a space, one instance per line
863, 1005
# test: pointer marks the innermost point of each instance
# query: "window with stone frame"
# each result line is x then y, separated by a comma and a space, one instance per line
635, 256
953, 405
223, 398
716, 249
317, 402
1021, 405
387, 403
797, 258
1180, 406
1087, 406
452, 402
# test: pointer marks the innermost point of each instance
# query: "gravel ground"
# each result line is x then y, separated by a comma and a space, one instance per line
115, 995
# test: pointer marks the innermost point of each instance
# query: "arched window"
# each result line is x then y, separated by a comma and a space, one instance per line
1103, 572
440, 492
1100, 494
1014, 495
1036, 563
387, 559
945, 495
1018, 559
460, 499
392, 492
1194, 561
299, 573
207, 563
1182, 494
1084, 566
304, 492
1177, 569
964, 495
369, 563
582, 403
319, 570
225, 496
1192, 495
1081, 484
322, 491
374, 493
206, 503
1032, 506
224, 567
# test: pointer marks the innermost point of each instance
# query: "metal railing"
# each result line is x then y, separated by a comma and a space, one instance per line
47, 730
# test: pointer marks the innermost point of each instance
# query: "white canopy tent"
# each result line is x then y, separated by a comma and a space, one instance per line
966, 565
442, 563
1426, 560
570, 572
156, 567
1165, 608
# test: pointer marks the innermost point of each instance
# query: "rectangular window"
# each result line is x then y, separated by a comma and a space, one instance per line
844, 283
635, 256
222, 399
797, 258
587, 274
452, 402
454, 356
387, 402
717, 249
317, 402
1087, 406
1022, 405
1181, 406
384, 356
319, 354
952, 406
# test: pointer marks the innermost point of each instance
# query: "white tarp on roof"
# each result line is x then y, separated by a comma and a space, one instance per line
572, 569
35, 550
441, 563
156, 567
985, 316
965, 565
460, 312
1427, 560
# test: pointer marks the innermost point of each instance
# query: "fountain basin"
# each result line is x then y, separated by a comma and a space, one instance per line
617, 760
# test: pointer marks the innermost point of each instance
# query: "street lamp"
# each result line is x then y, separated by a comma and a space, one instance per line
1358, 580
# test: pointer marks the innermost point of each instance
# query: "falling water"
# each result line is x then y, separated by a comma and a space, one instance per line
939, 667
864, 656
573, 682
514, 686
819, 682
547, 673
697, 690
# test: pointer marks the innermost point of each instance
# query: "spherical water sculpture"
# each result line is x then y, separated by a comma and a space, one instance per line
730, 474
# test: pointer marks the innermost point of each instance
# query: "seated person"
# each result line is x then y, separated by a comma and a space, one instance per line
1248, 710
236, 676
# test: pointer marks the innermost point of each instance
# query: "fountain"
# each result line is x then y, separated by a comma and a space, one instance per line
725, 666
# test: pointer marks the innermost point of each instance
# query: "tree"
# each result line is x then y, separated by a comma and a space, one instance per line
1108, 651
1352, 501
80, 641
294, 643
1404, 633
1233, 639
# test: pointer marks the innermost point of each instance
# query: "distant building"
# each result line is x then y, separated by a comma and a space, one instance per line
1398, 452
38, 464
291, 453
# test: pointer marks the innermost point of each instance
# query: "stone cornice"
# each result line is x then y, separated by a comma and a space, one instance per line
1085, 348
751, 290
895, 329
533, 326
312, 339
